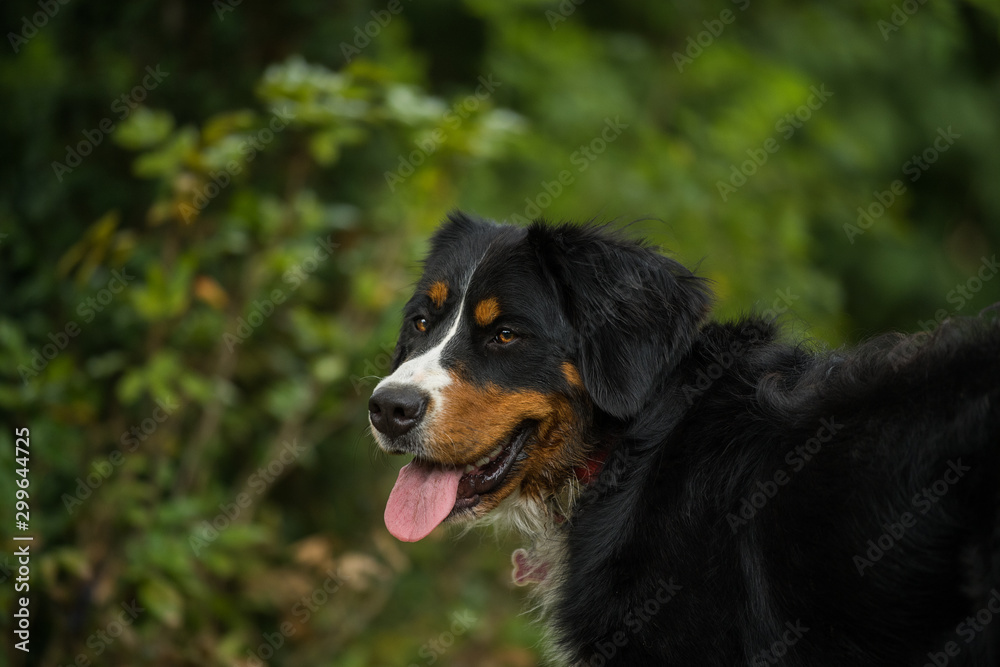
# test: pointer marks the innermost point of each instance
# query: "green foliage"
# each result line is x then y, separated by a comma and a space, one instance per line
202, 270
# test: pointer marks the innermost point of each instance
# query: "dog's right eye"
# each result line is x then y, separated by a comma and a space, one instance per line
420, 324
505, 337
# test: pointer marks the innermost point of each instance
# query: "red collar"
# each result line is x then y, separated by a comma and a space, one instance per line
588, 472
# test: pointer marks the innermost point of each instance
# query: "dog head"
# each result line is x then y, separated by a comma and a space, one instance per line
513, 341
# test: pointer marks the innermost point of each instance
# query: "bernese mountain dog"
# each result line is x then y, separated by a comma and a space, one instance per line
692, 492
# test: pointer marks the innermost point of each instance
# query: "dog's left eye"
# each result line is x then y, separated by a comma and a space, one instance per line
505, 336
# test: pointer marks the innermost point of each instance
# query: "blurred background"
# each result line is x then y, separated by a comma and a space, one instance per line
211, 213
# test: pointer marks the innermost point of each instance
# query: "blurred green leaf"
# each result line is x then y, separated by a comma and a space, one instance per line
144, 128
163, 601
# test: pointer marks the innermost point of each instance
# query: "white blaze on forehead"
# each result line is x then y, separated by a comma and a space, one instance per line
426, 371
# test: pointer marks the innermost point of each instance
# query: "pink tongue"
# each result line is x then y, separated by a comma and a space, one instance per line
423, 496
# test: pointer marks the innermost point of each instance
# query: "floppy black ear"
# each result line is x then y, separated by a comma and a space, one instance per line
635, 313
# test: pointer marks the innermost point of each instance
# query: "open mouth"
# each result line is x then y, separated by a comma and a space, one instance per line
488, 472
427, 493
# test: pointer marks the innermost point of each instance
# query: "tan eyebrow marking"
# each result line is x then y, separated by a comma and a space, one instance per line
572, 375
487, 311
438, 292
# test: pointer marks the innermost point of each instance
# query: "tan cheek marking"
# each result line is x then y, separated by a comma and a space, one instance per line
438, 292
487, 311
474, 420
557, 450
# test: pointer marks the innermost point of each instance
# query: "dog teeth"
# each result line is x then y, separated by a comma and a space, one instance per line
486, 459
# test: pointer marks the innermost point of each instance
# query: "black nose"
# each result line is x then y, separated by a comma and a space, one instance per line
395, 410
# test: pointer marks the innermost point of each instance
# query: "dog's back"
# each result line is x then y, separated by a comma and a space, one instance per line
839, 510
